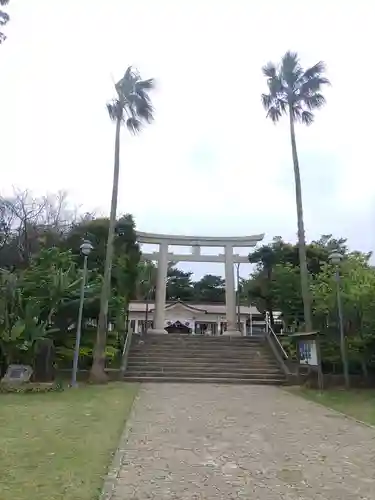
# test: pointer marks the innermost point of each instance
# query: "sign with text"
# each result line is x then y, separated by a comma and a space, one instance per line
307, 352
17, 374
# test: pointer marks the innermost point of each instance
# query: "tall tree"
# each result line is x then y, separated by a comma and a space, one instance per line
272, 286
210, 288
146, 279
179, 284
4, 19
132, 107
296, 92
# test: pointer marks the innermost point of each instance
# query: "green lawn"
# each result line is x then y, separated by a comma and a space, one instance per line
356, 403
58, 445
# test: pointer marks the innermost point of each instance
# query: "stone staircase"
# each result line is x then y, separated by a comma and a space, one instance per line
186, 358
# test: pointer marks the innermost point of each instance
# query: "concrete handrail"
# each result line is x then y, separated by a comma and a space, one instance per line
276, 347
125, 352
271, 331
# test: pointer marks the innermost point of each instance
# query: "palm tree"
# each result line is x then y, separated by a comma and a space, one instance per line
296, 92
132, 107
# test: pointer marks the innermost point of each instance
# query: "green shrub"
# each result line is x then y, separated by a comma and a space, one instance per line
30, 388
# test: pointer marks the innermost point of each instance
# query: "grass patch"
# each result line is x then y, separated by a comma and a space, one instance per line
58, 445
359, 404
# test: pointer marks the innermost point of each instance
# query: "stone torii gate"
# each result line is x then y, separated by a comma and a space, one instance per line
163, 256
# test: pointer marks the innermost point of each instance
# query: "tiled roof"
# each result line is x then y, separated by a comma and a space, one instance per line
213, 308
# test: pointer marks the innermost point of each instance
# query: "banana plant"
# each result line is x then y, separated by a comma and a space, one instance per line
19, 327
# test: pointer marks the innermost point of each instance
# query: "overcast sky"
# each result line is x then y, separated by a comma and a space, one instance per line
211, 164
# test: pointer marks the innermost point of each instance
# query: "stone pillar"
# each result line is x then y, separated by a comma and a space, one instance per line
230, 295
161, 289
192, 326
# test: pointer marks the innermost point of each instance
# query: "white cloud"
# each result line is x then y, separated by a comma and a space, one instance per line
210, 163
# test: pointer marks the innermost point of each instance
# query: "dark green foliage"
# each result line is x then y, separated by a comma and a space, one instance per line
40, 278
210, 289
274, 286
179, 285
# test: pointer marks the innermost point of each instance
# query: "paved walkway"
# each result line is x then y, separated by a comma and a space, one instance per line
242, 442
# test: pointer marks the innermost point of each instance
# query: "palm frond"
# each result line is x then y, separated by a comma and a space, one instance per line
115, 110
267, 101
134, 125
306, 117
148, 84
4, 18
274, 113
314, 100
145, 112
315, 70
111, 111
126, 85
269, 70
144, 95
275, 86
4, 2
290, 69
313, 84
134, 99
296, 111
131, 73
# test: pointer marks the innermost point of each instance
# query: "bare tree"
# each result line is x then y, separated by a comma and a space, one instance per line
30, 221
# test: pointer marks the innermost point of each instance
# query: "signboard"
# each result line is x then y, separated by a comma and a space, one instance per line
307, 352
17, 374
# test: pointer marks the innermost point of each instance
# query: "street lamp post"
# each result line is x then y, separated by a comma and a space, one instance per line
335, 258
85, 248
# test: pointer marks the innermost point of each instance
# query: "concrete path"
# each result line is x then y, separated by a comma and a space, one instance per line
242, 442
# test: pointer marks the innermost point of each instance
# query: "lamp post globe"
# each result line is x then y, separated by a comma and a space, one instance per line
86, 248
335, 257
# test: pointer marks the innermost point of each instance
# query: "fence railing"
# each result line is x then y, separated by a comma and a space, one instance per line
270, 331
125, 351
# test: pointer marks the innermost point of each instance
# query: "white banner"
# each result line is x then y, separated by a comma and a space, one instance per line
186, 322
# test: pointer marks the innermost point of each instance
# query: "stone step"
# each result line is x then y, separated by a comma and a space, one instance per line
197, 359
202, 356
227, 376
202, 362
161, 336
213, 343
245, 361
199, 347
178, 348
203, 368
200, 380
239, 343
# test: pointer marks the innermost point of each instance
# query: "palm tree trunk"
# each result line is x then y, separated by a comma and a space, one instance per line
97, 373
305, 286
